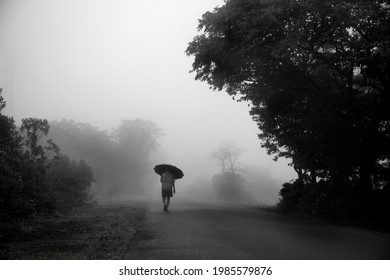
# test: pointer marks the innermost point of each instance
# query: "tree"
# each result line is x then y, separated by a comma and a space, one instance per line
133, 141
37, 156
34, 177
119, 159
229, 185
139, 136
316, 74
10, 163
33, 131
84, 142
23, 163
227, 157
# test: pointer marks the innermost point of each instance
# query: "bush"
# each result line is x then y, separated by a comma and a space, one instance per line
34, 179
337, 203
70, 182
230, 187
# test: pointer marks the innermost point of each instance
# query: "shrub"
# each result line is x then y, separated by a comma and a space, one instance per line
230, 187
70, 182
338, 203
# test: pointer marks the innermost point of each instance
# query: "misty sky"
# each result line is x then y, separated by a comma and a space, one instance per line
101, 61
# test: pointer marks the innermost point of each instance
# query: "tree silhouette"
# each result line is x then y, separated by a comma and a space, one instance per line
31, 179
226, 157
316, 74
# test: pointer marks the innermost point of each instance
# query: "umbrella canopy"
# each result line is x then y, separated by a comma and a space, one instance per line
175, 171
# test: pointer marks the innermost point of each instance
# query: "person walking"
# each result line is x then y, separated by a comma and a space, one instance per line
167, 188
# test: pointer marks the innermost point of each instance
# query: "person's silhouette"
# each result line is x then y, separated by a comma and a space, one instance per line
167, 188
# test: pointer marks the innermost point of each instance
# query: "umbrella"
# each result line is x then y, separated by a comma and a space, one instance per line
176, 172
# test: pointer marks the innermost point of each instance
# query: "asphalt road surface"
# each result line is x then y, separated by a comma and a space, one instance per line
208, 232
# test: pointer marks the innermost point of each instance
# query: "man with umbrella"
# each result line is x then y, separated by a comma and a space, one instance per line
168, 185
168, 175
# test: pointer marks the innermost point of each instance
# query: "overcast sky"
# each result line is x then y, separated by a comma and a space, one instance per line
101, 61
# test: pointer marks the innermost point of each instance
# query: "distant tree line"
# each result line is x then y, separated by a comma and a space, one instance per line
48, 168
317, 76
119, 159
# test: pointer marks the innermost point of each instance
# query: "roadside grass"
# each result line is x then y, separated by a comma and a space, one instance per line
91, 233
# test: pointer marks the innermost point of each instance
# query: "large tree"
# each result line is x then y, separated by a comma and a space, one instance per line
317, 76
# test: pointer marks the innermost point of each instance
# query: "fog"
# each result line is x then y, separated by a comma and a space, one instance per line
100, 62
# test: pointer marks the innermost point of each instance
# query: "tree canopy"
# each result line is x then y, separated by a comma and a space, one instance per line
316, 74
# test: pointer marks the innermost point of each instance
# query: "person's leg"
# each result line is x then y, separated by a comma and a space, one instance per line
164, 201
168, 200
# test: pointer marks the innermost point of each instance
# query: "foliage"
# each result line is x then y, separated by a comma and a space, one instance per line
132, 143
317, 76
139, 137
11, 161
230, 187
335, 203
70, 182
118, 159
23, 164
28, 161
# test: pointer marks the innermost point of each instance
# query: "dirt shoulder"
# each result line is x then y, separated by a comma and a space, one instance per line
94, 232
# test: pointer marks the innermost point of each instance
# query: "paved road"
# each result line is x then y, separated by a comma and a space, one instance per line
203, 231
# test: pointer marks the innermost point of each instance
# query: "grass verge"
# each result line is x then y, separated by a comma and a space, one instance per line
93, 232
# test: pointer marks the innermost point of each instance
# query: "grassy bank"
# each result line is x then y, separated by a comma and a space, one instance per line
93, 232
